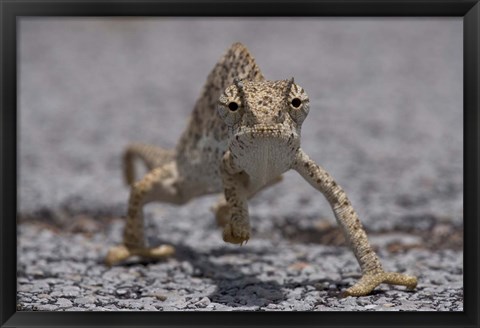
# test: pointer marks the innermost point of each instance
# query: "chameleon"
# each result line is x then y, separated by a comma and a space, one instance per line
243, 134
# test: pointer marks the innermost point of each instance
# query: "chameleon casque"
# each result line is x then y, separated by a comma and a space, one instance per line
244, 132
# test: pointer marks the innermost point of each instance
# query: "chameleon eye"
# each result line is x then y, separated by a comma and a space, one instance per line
233, 106
296, 102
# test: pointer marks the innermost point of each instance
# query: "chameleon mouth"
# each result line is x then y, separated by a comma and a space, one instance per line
262, 138
262, 130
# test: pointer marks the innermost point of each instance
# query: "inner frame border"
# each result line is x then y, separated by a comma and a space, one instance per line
11, 10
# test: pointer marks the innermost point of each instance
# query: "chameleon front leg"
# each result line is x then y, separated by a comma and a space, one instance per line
372, 270
235, 183
222, 209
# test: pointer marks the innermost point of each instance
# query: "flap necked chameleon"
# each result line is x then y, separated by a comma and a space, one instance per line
244, 132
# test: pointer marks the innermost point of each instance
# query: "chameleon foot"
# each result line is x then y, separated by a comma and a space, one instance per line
121, 253
368, 282
236, 233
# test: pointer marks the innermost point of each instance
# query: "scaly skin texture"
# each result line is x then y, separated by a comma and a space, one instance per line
244, 133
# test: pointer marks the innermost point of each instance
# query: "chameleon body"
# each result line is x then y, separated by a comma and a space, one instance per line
244, 132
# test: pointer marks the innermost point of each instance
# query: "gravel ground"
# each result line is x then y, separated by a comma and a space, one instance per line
386, 122
65, 273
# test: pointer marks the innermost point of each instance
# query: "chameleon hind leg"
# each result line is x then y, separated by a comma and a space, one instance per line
160, 184
151, 156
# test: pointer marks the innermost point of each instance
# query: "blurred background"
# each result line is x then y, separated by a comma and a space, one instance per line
386, 117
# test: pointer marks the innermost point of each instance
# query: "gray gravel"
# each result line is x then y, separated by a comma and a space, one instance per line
64, 273
386, 122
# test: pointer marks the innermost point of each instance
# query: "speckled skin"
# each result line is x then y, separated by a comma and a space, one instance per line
244, 133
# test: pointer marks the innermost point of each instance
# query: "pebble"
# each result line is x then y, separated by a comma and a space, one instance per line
148, 307
203, 302
161, 297
134, 304
85, 300
71, 291
64, 303
40, 286
46, 307
121, 292
271, 306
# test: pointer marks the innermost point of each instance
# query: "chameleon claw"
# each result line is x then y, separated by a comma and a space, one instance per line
244, 242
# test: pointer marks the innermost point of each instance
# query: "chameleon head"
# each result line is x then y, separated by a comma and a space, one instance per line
264, 120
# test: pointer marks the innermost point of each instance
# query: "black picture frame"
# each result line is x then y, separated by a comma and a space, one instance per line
11, 10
